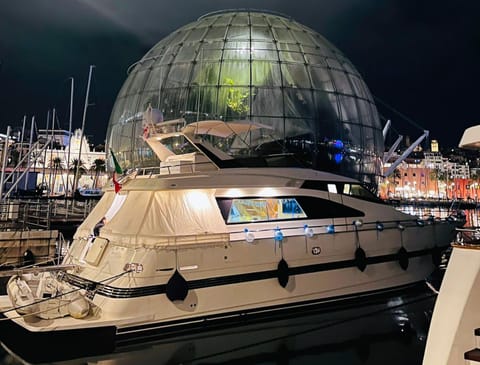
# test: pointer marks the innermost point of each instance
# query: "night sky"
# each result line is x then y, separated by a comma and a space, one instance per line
422, 58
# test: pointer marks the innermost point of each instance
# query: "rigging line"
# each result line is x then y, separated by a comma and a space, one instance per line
323, 326
411, 121
63, 294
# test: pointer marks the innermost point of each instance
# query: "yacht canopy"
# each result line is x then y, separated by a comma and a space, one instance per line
159, 218
471, 138
220, 128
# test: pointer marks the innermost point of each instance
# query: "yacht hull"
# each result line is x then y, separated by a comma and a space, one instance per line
36, 346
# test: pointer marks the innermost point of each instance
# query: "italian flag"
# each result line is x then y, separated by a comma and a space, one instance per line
118, 170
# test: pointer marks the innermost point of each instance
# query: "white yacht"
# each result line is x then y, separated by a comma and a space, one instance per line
189, 245
454, 333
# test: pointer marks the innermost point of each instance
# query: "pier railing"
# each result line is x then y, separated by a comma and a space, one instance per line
42, 213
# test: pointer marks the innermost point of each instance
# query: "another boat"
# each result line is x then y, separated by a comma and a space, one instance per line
453, 337
89, 193
190, 245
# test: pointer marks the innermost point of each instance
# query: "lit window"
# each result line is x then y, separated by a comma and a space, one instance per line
332, 188
254, 210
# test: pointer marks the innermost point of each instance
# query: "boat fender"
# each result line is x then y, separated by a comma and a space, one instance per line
28, 258
330, 229
308, 231
282, 273
177, 287
278, 235
358, 223
402, 255
249, 236
436, 256
79, 307
360, 259
379, 226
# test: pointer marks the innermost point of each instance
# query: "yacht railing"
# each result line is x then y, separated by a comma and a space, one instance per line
356, 226
174, 169
468, 237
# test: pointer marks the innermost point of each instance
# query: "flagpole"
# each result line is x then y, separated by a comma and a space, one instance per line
83, 127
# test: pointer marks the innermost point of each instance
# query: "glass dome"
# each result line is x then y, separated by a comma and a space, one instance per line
257, 67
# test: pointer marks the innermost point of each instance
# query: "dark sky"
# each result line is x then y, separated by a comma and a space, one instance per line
420, 57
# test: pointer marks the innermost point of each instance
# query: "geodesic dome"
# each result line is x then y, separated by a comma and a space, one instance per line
256, 67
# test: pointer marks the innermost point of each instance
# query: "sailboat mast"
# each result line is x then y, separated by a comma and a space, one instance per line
21, 144
69, 132
21, 138
4, 162
51, 183
44, 179
25, 185
83, 123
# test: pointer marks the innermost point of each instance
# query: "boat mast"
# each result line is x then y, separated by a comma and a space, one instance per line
21, 144
25, 185
83, 125
69, 133
4, 162
44, 179
51, 183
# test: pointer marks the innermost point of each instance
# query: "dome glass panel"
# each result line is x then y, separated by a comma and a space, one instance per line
254, 67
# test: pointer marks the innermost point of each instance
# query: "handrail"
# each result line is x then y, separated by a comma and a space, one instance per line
170, 170
392, 224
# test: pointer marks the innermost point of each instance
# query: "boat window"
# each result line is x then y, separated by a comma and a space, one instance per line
359, 191
345, 188
256, 209
178, 145
267, 209
332, 188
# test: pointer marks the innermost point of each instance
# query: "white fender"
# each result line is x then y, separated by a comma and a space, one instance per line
79, 307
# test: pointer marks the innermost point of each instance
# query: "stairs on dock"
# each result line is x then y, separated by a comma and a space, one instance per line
472, 357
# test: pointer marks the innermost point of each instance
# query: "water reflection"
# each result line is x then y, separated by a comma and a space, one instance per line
386, 330
472, 215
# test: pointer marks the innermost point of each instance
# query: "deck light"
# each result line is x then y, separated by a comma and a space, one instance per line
379, 226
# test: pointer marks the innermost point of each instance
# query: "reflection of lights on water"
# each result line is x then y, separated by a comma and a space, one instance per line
338, 157
338, 144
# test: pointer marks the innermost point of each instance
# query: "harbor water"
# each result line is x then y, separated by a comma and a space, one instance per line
389, 330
